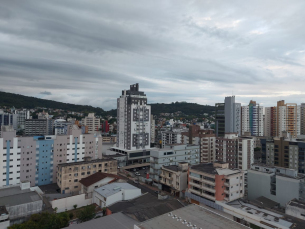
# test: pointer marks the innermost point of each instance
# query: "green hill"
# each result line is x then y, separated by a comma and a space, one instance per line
21, 101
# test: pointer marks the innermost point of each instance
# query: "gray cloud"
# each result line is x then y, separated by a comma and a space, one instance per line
86, 52
45, 93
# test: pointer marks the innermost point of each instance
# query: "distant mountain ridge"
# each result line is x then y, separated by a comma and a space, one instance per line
22, 101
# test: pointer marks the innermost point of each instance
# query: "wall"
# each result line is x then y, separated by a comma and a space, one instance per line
68, 202
131, 193
24, 210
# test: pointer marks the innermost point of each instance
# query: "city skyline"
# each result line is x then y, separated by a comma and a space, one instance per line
85, 52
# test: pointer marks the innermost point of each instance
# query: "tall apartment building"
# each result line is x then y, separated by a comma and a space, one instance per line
220, 119
7, 119
283, 117
275, 183
170, 137
92, 122
216, 182
172, 155
22, 115
35, 158
238, 152
252, 119
302, 118
206, 140
69, 174
228, 117
36, 127
152, 131
133, 120
285, 152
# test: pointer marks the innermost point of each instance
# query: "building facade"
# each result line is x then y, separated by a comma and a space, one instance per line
35, 158
284, 152
69, 174
238, 152
133, 120
36, 127
205, 138
174, 178
215, 181
172, 155
276, 183
252, 119
22, 115
93, 123
7, 119
61, 126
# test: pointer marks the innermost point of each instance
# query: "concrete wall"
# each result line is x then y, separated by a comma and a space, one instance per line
259, 185
24, 210
68, 202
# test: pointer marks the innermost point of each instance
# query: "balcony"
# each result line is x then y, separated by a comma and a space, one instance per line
208, 189
195, 184
208, 182
227, 191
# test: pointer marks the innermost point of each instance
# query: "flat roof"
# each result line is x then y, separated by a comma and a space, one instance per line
113, 221
191, 215
297, 203
113, 188
145, 207
85, 162
96, 177
19, 199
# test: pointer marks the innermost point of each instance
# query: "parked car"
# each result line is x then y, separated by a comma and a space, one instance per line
157, 192
137, 174
134, 170
144, 168
136, 182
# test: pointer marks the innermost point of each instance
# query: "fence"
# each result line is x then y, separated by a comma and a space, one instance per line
68, 202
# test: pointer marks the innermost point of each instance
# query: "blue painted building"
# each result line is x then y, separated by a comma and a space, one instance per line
44, 160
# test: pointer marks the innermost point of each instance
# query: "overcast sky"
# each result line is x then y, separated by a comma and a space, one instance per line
87, 52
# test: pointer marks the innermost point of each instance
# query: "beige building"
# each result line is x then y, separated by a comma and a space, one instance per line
93, 123
206, 139
174, 178
216, 182
109, 139
69, 174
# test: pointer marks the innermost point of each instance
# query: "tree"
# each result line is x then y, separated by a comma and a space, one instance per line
75, 206
87, 213
55, 209
71, 215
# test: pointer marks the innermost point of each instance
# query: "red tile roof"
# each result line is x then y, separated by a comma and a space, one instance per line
92, 179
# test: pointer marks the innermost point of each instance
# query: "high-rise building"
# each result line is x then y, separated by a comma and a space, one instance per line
206, 140
220, 119
252, 119
22, 116
238, 152
7, 119
93, 123
105, 126
152, 131
228, 117
133, 120
285, 152
61, 126
283, 117
302, 117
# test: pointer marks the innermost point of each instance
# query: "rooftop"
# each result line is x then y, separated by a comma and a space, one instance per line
297, 203
113, 221
192, 215
209, 168
145, 207
85, 162
18, 199
110, 189
92, 179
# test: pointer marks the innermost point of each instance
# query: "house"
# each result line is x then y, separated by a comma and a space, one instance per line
96, 180
114, 192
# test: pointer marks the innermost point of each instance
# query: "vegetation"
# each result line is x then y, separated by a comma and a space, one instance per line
44, 220
185, 108
21, 101
87, 213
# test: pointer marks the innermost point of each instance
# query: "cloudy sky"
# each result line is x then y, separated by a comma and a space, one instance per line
88, 51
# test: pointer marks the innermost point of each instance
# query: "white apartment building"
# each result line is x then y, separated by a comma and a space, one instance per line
61, 126
22, 116
170, 137
93, 123
152, 131
133, 120
252, 119
172, 155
